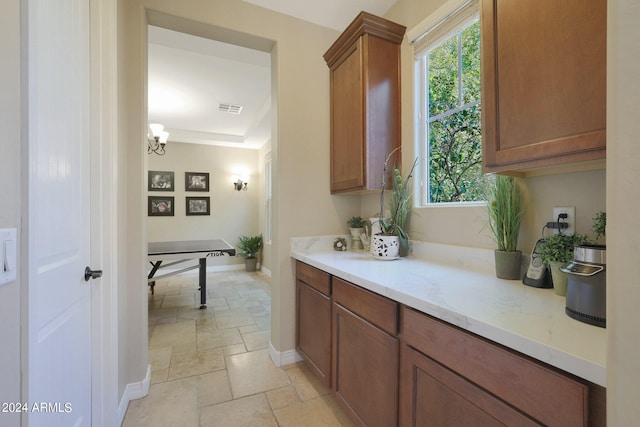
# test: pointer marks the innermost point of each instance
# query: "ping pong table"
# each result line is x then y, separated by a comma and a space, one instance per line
181, 251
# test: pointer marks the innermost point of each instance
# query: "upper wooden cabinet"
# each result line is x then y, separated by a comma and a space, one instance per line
543, 82
365, 101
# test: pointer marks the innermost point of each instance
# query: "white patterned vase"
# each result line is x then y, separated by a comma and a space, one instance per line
385, 247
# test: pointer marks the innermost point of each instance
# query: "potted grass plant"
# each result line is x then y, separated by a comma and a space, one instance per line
506, 206
250, 248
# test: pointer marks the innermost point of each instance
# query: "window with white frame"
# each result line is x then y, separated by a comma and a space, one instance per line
449, 133
267, 198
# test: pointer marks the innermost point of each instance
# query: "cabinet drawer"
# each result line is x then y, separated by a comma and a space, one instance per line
545, 394
372, 307
317, 279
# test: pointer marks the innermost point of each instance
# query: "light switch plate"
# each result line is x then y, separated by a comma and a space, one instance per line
8, 255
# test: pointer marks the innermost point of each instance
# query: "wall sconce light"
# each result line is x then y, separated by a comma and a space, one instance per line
157, 139
239, 184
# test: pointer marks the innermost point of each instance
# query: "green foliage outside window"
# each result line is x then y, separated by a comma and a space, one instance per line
454, 119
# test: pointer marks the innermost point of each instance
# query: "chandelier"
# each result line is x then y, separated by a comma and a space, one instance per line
157, 139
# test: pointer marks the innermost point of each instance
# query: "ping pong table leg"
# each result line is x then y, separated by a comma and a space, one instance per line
155, 265
203, 283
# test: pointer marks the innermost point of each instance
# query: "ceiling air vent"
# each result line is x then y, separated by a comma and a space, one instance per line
231, 108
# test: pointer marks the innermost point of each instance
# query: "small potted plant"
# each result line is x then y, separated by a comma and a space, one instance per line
506, 206
599, 225
250, 248
392, 240
557, 250
357, 226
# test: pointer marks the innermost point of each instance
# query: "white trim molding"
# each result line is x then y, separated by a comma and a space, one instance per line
282, 358
133, 391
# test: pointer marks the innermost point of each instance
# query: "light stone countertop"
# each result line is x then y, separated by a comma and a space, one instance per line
458, 285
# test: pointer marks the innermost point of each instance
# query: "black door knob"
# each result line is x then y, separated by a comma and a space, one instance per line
91, 274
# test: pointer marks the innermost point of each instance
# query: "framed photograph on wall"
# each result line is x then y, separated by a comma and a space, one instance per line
196, 181
160, 206
161, 181
198, 206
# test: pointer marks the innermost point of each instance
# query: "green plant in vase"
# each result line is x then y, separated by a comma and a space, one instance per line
357, 226
250, 248
506, 203
557, 250
599, 225
400, 205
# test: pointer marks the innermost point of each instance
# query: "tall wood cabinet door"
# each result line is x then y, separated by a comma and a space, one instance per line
364, 67
543, 82
365, 370
432, 395
313, 330
347, 117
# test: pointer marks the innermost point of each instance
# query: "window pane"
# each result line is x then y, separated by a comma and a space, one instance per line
453, 121
443, 77
455, 157
471, 63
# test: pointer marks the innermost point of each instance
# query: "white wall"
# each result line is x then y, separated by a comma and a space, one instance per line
132, 232
233, 213
466, 226
623, 205
10, 203
585, 190
300, 149
267, 252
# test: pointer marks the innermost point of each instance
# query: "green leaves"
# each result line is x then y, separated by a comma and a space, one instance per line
250, 246
506, 205
455, 157
356, 222
399, 200
559, 247
599, 224
454, 124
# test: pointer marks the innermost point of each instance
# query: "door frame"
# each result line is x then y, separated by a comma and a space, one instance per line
104, 212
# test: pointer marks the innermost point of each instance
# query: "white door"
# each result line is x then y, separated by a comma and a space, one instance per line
59, 310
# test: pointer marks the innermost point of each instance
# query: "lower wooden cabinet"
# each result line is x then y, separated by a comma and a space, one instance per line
484, 380
388, 364
313, 336
365, 369
313, 320
432, 395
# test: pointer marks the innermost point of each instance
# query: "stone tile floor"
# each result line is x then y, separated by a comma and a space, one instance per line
212, 368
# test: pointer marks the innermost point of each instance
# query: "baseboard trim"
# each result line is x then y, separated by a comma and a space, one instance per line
265, 270
282, 358
133, 391
218, 268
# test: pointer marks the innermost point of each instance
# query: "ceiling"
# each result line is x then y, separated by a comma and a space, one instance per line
336, 14
190, 77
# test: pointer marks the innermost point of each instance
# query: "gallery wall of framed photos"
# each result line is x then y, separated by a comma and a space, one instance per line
164, 181
191, 194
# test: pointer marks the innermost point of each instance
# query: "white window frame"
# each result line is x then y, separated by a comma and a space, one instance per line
437, 28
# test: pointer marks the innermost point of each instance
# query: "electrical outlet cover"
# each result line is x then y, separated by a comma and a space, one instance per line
571, 218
